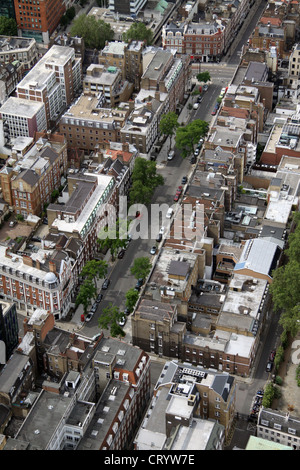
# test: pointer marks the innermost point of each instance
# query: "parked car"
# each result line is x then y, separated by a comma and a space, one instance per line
223, 91
94, 307
36, 239
205, 87
99, 298
196, 105
199, 99
121, 253
193, 160
176, 197
122, 321
127, 311
196, 152
105, 284
12, 223
272, 355
159, 237
153, 250
184, 180
139, 284
89, 316
169, 213
269, 366
162, 229
200, 143
171, 155
179, 189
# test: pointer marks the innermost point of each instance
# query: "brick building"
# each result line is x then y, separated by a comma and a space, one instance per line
55, 80
87, 124
109, 82
43, 281
94, 396
29, 184
38, 19
22, 49
91, 205
155, 328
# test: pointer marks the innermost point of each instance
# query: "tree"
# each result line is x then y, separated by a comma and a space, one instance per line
188, 136
112, 238
286, 280
132, 296
144, 181
109, 320
87, 292
95, 269
138, 31
141, 267
203, 77
168, 125
94, 32
8, 26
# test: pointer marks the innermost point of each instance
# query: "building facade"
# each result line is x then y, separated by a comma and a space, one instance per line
42, 282
87, 124
38, 19
54, 80
22, 117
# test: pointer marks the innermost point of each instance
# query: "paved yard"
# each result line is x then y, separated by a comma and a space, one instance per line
13, 232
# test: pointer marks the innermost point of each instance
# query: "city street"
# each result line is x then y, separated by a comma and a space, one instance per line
121, 279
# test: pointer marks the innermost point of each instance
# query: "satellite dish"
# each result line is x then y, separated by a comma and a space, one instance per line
2, 352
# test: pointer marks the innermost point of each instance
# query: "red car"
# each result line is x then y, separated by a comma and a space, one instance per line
272, 355
176, 197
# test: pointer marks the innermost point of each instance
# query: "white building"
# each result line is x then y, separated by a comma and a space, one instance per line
54, 80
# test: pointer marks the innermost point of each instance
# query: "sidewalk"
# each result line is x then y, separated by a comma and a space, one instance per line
75, 324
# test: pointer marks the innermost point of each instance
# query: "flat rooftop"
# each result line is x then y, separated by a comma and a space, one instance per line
245, 300
97, 198
44, 418
21, 107
172, 269
39, 74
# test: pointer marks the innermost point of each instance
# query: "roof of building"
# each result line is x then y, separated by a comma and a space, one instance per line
40, 73
257, 443
21, 107
155, 311
259, 255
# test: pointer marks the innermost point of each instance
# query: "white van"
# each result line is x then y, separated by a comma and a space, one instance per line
169, 213
171, 155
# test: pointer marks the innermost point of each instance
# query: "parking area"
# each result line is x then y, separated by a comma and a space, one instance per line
19, 230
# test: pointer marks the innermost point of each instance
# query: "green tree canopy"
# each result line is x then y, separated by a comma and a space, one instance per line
187, 137
138, 31
8, 26
286, 280
141, 267
144, 181
109, 320
87, 292
94, 269
113, 238
94, 32
203, 77
168, 125
132, 296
